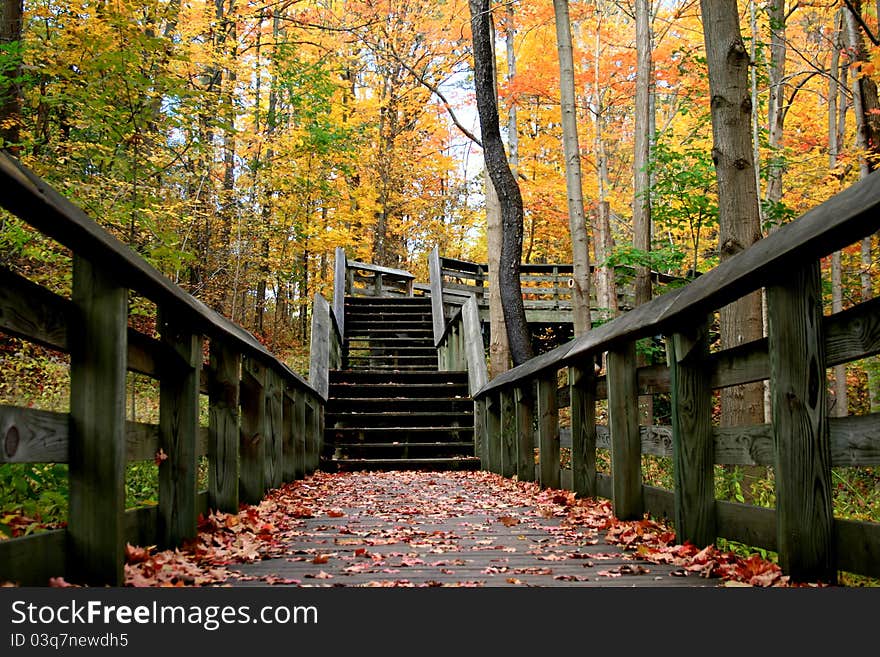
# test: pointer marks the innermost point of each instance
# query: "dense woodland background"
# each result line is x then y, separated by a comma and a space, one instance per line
235, 144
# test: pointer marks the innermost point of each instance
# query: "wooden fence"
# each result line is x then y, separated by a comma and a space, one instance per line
521, 408
264, 427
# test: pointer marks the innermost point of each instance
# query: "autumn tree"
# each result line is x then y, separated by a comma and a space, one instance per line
738, 210
580, 293
10, 72
504, 183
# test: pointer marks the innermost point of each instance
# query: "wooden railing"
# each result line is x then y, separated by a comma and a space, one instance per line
367, 280
522, 408
546, 288
264, 421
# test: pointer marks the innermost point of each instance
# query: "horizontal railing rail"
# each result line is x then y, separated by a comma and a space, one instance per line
264, 420
522, 406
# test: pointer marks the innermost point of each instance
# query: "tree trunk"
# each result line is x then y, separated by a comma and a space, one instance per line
505, 184
739, 218
776, 105
840, 397
11, 12
580, 254
864, 93
642, 153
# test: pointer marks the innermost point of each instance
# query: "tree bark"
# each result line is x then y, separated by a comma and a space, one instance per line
580, 254
505, 184
11, 12
642, 152
739, 217
776, 105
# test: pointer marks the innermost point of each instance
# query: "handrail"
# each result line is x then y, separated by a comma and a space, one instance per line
438, 316
265, 421
326, 346
521, 406
840, 221
339, 282
33, 200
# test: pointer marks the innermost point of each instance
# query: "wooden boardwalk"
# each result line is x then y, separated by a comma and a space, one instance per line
450, 529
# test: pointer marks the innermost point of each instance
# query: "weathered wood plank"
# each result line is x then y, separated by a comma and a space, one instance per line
274, 443
803, 456
853, 333
693, 453
319, 360
252, 434
32, 560
581, 384
288, 433
508, 434
178, 435
31, 311
97, 426
525, 433
478, 373
438, 319
339, 280
480, 433
299, 434
857, 545
748, 524
33, 436
548, 432
493, 433
224, 374
626, 463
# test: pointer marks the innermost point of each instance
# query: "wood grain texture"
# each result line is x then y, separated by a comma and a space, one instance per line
438, 317
493, 433
548, 432
581, 383
97, 426
525, 433
29, 435
623, 420
178, 435
274, 443
319, 358
803, 454
478, 373
252, 434
692, 441
299, 435
288, 431
339, 281
481, 434
508, 434
224, 375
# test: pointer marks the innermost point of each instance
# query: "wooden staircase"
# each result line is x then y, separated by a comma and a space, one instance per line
391, 408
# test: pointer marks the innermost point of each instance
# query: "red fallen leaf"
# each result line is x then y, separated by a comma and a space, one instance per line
508, 521
319, 575
160, 456
361, 552
59, 583
513, 580
608, 573
335, 513
321, 559
136, 554
572, 578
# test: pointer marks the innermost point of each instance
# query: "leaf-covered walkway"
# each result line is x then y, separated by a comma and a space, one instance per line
435, 529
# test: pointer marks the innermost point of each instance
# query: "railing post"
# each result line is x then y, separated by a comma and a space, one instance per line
480, 433
377, 284
508, 433
274, 443
493, 432
693, 447
252, 484
319, 356
288, 435
178, 431
299, 434
339, 283
582, 389
626, 442
548, 431
525, 433
804, 512
438, 317
97, 426
224, 375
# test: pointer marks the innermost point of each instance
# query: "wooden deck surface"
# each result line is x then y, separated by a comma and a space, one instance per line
448, 529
